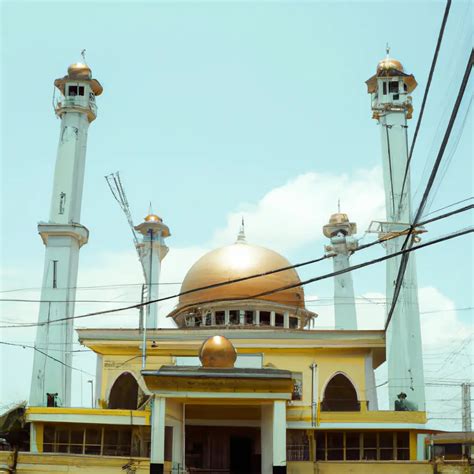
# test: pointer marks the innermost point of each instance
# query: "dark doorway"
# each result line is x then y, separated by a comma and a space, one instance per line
223, 450
340, 395
124, 392
240, 455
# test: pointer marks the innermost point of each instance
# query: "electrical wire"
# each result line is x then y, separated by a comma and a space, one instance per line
434, 171
270, 272
425, 95
265, 293
46, 355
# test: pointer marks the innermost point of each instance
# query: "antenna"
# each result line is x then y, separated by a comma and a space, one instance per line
116, 188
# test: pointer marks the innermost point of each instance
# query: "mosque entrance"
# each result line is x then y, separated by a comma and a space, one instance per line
223, 450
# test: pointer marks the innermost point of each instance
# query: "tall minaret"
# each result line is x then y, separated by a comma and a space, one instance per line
152, 250
340, 231
63, 236
391, 106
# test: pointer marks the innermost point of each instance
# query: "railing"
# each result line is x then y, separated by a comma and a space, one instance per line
297, 452
76, 102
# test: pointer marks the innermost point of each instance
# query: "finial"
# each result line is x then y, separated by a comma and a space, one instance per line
241, 234
339, 205
387, 49
150, 209
83, 54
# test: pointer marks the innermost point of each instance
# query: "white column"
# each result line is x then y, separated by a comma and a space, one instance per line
273, 437
157, 455
370, 389
63, 236
344, 302
404, 356
33, 438
279, 436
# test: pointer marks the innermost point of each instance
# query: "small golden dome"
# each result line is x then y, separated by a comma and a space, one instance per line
338, 218
217, 352
79, 70
389, 63
240, 260
153, 218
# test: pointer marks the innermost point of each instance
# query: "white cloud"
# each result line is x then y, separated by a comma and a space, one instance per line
293, 214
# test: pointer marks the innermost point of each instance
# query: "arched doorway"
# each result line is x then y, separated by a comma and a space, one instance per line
124, 392
340, 395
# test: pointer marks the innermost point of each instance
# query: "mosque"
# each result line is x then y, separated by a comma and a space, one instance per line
244, 384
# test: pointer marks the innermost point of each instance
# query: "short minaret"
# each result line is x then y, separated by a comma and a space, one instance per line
63, 236
341, 232
391, 107
152, 250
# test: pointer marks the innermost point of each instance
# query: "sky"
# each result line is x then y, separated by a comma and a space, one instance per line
216, 110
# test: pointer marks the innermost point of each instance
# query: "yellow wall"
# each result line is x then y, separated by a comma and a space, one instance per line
29, 463
329, 361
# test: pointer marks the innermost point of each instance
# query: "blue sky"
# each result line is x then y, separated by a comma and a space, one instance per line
210, 110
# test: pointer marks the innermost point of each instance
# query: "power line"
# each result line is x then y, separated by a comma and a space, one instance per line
276, 290
263, 274
425, 95
93, 287
46, 355
434, 171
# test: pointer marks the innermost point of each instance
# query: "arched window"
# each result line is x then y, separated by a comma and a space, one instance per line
124, 392
340, 395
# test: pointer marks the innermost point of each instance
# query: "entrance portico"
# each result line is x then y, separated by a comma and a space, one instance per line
255, 436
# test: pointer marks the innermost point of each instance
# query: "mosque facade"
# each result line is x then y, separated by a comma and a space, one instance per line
244, 384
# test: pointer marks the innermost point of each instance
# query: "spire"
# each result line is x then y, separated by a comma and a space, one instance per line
387, 49
241, 235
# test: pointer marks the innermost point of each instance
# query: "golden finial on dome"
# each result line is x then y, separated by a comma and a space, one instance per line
217, 352
241, 235
153, 218
388, 63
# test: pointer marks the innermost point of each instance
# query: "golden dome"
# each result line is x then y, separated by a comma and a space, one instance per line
79, 70
389, 63
338, 218
240, 260
153, 218
217, 352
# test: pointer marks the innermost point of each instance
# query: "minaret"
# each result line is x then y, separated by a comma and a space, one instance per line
391, 106
340, 231
152, 250
63, 236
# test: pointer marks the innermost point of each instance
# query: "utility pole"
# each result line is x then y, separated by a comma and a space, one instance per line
466, 407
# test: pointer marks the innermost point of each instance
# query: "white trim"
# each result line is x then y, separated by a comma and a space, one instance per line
92, 419
226, 395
